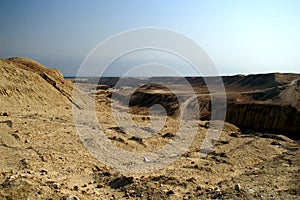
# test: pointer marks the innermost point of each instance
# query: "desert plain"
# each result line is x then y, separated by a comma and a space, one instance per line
44, 157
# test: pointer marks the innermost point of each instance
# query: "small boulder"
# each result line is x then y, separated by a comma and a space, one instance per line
238, 187
5, 114
71, 197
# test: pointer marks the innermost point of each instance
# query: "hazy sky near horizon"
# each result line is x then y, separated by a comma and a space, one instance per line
251, 36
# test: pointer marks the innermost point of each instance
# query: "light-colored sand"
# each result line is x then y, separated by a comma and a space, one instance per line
42, 156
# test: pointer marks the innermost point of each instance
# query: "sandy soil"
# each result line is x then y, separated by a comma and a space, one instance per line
43, 157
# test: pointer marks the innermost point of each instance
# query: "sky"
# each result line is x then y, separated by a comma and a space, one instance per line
240, 37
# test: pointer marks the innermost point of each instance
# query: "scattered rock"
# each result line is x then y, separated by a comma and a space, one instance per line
223, 142
238, 187
213, 124
275, 143
55, 185
12, 177
15, 135
251, 191
43, 172
24, 163
8, 123
71, 197
233, 134
132, 192
192, 180
75, 188
121, 181
285, 165
170, 192
145, 118
146, 159
198, 188
5, 114
206, 125
168, 135
116, 139
223, 155
118, 129
137, 139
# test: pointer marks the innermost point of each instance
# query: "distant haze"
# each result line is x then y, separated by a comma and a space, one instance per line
241, 37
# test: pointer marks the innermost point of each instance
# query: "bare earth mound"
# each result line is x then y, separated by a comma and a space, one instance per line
42, 156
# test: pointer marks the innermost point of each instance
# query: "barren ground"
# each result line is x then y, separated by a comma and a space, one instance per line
42, 156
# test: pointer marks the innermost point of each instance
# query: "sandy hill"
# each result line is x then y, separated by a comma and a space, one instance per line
24, 82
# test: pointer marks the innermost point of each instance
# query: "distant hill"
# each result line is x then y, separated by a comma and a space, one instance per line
262, 102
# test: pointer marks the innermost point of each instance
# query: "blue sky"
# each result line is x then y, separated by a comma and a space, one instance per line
241, 37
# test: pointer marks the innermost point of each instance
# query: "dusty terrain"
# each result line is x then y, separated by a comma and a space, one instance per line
42, 156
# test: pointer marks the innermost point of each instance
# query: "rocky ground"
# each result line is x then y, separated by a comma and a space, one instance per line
43, 157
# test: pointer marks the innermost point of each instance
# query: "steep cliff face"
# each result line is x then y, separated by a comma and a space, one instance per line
267, 103
266, 118
270, 118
